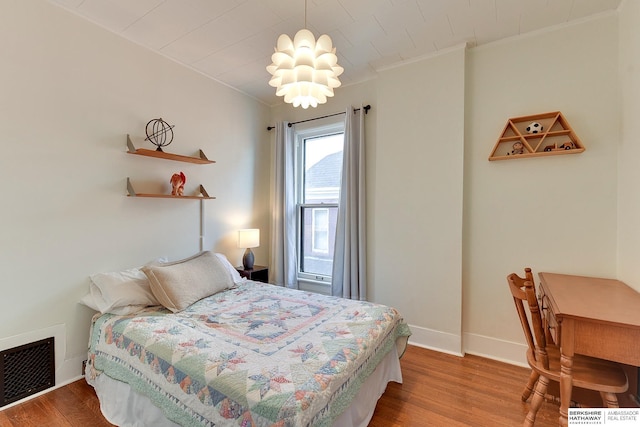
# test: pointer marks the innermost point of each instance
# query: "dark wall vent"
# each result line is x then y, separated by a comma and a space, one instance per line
26, 370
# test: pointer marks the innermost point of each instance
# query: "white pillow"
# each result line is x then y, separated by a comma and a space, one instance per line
231, 269
177, 285
120, 292
128, 309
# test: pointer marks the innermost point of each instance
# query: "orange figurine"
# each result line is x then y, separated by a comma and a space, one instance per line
177, 182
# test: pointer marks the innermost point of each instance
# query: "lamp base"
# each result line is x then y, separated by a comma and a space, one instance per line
247, 259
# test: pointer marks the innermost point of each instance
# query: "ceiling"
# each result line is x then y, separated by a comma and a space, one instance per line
231, 41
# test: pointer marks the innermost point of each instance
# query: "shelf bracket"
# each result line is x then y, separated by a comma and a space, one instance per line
130, 189
202, 155
130, 146
203, 191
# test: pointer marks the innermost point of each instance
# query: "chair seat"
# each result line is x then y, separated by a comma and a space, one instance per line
587, 372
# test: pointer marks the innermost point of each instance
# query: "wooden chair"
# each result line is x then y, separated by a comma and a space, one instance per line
543, 357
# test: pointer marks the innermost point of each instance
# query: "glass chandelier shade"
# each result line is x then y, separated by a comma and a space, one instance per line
305, 71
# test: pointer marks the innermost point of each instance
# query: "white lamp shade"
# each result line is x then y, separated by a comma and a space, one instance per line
249, 238
305, 71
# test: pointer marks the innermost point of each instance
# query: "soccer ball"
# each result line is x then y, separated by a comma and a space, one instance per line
535, 127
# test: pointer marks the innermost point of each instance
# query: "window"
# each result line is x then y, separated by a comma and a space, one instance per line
318, 173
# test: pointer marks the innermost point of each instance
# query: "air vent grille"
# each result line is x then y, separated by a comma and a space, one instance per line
26, 370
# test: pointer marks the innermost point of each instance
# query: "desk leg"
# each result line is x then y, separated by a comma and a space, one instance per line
565, 388
566, 365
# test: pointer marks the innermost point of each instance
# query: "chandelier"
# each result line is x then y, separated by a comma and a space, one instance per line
304, 71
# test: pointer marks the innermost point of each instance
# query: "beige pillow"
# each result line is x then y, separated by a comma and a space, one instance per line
177, 285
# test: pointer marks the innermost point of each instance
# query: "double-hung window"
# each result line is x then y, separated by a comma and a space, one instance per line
318, 174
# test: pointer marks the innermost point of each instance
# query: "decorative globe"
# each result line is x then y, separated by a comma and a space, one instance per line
159, 133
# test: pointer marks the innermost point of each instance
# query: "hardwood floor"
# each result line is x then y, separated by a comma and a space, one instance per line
443, 390
73, 405
438, 390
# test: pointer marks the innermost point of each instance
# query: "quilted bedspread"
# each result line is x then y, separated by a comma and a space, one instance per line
254, 355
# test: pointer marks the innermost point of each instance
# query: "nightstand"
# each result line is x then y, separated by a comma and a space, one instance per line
259, 273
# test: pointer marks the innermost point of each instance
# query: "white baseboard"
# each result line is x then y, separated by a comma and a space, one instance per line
436, 340
492, 348
496, 349
70, 371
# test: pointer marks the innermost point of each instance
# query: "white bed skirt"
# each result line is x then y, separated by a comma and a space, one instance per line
124, 407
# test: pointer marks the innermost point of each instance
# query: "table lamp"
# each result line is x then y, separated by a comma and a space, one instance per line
247, 239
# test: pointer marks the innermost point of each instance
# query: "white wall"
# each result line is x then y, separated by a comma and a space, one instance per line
417, 251
553, 214
70, 92
628, 170
549, 213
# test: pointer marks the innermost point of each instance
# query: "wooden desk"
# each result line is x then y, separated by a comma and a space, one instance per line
596, 317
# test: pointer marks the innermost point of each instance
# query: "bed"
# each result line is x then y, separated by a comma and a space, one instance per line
247, 354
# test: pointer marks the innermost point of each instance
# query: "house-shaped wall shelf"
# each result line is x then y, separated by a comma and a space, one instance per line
556, 137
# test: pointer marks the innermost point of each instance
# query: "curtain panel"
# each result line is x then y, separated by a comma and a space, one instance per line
349, 263
283, 263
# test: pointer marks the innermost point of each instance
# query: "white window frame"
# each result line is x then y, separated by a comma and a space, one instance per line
303, 131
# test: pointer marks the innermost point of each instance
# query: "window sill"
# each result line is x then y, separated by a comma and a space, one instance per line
317, 287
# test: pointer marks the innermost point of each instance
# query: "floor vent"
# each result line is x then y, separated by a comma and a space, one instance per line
26, 370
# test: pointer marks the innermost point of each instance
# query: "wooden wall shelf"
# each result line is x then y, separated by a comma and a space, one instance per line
556, 138
202, 159
201, 189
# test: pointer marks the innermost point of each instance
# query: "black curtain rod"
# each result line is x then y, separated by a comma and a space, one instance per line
366, 109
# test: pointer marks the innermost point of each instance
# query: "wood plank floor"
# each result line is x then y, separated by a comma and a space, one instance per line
438, 390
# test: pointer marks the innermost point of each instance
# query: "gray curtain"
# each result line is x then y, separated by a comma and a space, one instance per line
349, 262
283, 264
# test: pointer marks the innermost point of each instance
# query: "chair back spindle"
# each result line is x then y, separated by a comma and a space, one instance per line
523, 289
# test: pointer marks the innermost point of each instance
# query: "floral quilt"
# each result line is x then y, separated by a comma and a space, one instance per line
254, 355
